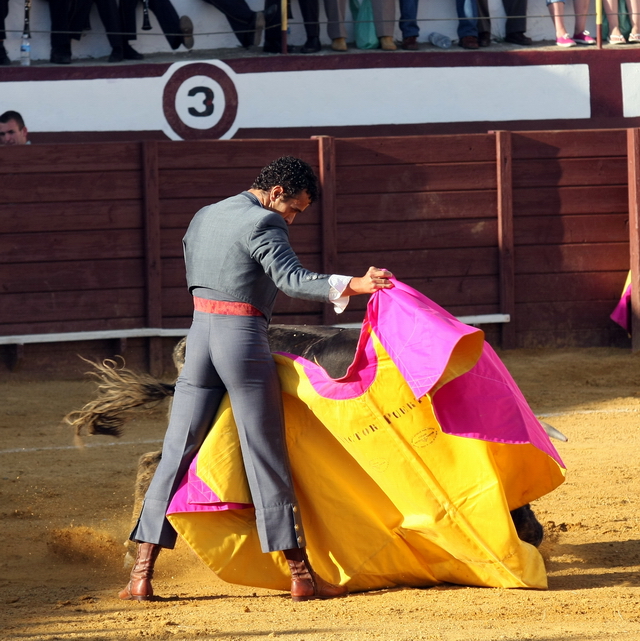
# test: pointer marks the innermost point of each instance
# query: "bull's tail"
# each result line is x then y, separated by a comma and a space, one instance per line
120, 390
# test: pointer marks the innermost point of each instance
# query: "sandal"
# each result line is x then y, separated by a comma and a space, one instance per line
617, 40
634, 38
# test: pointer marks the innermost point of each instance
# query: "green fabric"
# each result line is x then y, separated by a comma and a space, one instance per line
364, 27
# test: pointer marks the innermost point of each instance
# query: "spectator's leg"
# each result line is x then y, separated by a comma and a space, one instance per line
484, 23
110, 16
611, 10
169, 21
516, 11
336, 13
240, 17
634, 16
4, 12
467, 23
310, 10
556, 9
60, 32
408, 23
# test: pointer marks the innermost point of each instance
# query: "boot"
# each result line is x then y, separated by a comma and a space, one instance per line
305, 583
139, 586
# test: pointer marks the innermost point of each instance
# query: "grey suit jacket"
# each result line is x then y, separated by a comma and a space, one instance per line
239, 248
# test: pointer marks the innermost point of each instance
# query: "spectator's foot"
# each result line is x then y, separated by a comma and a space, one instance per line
484, 39
387, 43
258, 28
60, 57
617, 39
4, 58
410, 43
634, 38
117, 55
275, 47
518, 38
468, 42
583, 38
186, 29
340, 44
565, 41
312, 45
131, 54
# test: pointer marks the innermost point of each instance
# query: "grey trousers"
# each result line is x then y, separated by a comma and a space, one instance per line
228, 354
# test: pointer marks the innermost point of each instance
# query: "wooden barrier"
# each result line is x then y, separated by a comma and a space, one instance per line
530, 224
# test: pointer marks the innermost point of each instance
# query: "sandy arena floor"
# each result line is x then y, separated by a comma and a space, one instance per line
64, 514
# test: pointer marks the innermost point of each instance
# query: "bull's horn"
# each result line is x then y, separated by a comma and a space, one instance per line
552, 432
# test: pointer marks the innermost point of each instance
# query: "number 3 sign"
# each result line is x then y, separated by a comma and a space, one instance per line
200, 101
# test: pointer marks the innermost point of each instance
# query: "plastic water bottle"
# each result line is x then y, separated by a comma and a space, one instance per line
439, 40
25, 51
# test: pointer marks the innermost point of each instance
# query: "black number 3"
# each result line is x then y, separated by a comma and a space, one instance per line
207, 102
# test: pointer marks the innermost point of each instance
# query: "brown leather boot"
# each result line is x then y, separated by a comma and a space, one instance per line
305, 583
139, 587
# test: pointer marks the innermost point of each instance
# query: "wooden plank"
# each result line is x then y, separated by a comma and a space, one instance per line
327, 180
248, 155
432, 263
82, 325
412, 178
71, 187
584, 286
70, 216
586, 257
150, 177
602, 228
79, 158
47, 247
563, 316
106, 304
584, 199
569, 144
569, 172
432, 205
416, 235
396, 150
505, 235
633, 154
71, 275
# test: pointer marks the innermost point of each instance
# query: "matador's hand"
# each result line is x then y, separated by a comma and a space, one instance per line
374, 279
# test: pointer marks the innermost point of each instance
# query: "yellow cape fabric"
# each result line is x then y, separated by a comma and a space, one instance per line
387, 499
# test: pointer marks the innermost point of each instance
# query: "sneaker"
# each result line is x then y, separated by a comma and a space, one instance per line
583, 38
565, 41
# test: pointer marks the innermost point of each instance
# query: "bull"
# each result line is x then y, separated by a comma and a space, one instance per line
122, 390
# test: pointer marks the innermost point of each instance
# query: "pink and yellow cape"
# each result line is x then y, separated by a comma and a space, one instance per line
405, 469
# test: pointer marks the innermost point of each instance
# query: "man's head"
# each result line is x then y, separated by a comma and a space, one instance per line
12, 129
289, 184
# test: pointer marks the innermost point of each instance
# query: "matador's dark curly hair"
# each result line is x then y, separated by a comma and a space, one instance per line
293, 174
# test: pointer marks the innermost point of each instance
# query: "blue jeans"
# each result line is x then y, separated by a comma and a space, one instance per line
408, 15
467, 14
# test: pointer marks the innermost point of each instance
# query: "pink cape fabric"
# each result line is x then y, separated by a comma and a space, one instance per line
621, 313
420, 337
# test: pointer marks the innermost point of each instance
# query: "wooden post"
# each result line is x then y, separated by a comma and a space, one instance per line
505, 236
327, 177
633, 164
152, 251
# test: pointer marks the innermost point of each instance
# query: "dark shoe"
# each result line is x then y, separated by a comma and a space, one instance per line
186, 29
60, 57
4, 58
275, 47
305, 583
484, 38
117, 55
518, 38
410, 43
131, 54
469, 42
139, 587
258, 28
312, 45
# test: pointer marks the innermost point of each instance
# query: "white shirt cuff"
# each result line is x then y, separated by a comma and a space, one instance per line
338, 284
